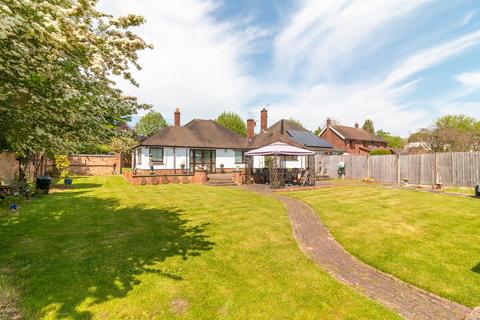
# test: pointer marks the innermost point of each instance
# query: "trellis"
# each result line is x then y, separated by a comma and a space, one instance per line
277, 167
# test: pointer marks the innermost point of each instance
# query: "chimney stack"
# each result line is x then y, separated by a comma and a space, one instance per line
263, 120
177, 117
329, 122
250, 129
282, 126
356, 125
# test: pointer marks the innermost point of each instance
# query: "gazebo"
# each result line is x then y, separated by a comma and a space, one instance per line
277, 168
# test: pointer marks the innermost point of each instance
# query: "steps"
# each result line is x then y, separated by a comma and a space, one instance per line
220, 180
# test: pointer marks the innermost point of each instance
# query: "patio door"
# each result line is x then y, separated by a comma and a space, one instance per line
205, 158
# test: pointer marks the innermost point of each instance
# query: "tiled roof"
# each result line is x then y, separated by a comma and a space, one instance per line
356, 133
197, 134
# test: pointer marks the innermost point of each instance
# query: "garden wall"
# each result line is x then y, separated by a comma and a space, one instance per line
199, 177
461, 169
94, 165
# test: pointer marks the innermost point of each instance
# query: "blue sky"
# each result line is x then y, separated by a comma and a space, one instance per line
399, 63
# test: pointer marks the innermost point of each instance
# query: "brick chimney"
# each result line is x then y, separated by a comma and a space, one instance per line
250, 129
329, 122
263, 120
356, 125
177, 117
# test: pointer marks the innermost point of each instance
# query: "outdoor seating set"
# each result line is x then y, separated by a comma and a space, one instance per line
290, 177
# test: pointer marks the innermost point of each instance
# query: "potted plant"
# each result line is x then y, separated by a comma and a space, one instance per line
222, 168
62, 164
182, 166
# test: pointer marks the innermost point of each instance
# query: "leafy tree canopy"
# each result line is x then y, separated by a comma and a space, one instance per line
380, 152
57, 60
150, 123
233, 122
450, 133
392, 141
368, 125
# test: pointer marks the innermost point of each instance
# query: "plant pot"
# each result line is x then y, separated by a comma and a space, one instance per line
68, 181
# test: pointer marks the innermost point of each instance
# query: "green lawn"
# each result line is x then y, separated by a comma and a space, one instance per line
108, 250
430, 240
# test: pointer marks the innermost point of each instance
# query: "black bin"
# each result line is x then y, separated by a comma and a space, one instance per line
477, 190
43, 184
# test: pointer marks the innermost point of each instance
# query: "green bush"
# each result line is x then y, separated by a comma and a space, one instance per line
62, 164
380, 152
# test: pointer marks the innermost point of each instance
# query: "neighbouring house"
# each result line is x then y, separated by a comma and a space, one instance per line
198, 144
288, 132
353, 140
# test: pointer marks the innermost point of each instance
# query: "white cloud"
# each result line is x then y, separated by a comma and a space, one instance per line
197, 62
468, 17
470, 80
471, 109
353, 103
432, 57
330, 33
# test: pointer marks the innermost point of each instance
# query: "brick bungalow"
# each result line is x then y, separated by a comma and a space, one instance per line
353, 140
183, 149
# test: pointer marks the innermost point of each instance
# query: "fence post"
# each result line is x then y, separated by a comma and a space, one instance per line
437, 169
368, 166
399, 178
453, 169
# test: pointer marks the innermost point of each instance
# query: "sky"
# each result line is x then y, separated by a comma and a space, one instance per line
401, 63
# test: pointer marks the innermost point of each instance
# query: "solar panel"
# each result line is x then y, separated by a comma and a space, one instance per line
308, 139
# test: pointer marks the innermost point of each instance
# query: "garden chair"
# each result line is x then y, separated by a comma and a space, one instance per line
266, 176
304, 178
289, 178
295, 176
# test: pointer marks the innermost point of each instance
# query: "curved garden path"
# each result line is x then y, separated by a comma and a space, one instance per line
316, 242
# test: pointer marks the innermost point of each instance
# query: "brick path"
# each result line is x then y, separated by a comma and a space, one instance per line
409, 301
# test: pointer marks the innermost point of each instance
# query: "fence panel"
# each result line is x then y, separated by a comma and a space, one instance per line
383, 168
460, 169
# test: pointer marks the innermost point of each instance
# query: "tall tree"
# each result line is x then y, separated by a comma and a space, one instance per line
392, 141
150, 123
456, 133
56, 90
450, 133
368, 125
233, 122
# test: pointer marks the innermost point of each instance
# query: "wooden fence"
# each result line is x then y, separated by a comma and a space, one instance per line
461, 169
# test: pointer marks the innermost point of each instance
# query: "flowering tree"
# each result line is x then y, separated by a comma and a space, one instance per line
57, 59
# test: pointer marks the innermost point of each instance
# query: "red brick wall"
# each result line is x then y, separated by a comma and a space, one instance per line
9, 167
93, 165
334, 139
200, 177
357, 147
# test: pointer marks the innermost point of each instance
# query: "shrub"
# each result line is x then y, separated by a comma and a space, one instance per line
62, 164
380, 152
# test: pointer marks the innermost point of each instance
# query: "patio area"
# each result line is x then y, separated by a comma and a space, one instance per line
275, 172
